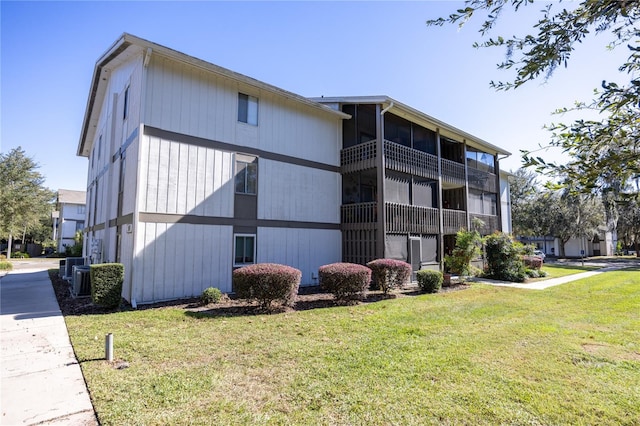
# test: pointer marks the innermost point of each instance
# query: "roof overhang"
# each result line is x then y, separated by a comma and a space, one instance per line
128, 46
419, 117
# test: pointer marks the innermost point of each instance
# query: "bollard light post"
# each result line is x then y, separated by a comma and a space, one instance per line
108, 347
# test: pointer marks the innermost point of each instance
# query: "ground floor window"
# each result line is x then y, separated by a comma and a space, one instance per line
244, 249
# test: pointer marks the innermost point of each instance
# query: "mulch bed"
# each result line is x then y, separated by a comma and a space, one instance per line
308, 298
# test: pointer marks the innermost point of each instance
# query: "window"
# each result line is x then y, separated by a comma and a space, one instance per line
246, 174
99, 146
247, 109
244, 249
126, 104
79, 225
81, 209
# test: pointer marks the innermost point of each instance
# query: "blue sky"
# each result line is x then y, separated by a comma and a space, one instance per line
49, 49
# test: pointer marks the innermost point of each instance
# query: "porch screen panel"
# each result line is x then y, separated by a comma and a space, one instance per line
423, 194
429, 248
396, 189
395, 247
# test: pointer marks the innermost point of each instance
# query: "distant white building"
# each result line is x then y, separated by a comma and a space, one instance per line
599, 245
69, 217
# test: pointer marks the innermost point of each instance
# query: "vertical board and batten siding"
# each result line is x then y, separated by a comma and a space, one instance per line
297, 193
187, 100
191, 101
177, 260
177, 178
304, 249
294, 129
505, 203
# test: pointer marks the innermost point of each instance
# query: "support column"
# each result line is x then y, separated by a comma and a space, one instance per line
466, 183
380, 168
440, 204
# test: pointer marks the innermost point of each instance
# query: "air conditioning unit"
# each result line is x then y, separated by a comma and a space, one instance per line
81, 283
62, 268
69, 264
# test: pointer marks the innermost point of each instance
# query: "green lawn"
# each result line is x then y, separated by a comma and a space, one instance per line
555, 270
486, 355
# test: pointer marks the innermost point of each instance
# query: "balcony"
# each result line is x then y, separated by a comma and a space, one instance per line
491, 223
453, 221
452, 172
402, 218
358, 157
358, 216
484, 181
411, 161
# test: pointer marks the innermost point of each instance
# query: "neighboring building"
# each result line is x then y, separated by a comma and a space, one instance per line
195, 170
600, 244
410, 182
68, 218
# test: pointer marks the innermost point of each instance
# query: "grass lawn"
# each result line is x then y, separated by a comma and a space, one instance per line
555, 270
482, 356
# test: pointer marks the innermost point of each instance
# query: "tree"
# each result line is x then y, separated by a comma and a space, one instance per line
602, 152
629, 224
524, 192
570, 215
23, 198
466, 250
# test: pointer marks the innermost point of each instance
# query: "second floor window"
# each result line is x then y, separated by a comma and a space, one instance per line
246, 175
247, 109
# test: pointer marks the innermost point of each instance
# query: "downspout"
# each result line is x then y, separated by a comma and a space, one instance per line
136, 207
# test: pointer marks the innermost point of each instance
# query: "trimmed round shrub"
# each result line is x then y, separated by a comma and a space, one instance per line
390, 273
5, 265
211, 295
267, 283
429, 281
532, 262
346, 281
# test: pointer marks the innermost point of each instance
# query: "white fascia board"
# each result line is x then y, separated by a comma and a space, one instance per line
415, 115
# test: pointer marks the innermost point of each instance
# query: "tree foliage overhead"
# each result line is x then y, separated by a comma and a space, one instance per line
602, 151
24, 201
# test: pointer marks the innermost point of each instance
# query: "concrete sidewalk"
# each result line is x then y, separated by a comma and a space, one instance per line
41, 380
541, 285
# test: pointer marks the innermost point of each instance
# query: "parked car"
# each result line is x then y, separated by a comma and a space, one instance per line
539, 253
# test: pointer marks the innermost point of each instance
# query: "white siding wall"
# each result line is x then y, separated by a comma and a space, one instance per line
304, 249
505, 204
185, 179
180, 260
297, 193
182, 99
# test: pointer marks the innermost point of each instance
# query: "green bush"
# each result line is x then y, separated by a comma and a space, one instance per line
106, 284
5, 266
20, 255
504, 258
346, 281
467, 248
389, 273
267, 283
429, 281
211, 295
